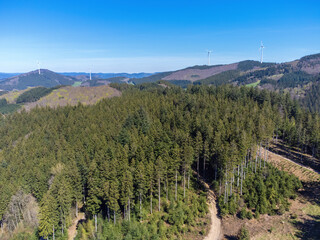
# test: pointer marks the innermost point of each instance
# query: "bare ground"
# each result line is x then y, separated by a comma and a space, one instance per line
215, 227
72, 231
302, 221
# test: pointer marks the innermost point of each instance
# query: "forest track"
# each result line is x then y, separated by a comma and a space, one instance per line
215, 228
72, 231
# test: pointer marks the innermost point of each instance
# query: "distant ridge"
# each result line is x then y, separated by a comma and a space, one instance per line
47, 78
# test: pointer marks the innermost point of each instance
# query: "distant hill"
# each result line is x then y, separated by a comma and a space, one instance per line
46, 78
100, 82
82, 76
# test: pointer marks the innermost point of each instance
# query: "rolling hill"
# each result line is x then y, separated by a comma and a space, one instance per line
46, 78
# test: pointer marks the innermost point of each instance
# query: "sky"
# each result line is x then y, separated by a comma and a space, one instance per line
152, 36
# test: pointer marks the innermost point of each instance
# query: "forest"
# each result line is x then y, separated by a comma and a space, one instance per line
132, 163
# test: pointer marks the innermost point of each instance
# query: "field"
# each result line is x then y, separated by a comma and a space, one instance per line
73, 95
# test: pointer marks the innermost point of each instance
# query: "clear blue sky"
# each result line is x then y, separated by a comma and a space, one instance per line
150, 36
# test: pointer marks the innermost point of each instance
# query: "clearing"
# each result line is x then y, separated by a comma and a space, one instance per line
73, 95
302, 221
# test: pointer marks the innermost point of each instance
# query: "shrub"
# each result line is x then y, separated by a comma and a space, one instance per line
243, 213
243, 234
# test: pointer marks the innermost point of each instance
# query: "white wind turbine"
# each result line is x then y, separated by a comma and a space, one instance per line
261, 52
90, 73
209, 55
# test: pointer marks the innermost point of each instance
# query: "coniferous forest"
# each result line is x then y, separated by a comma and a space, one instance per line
133, 163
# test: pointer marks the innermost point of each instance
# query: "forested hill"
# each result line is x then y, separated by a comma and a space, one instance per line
131, 159
46, 78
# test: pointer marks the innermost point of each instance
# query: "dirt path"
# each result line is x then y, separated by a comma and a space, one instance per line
72, 231
215, 228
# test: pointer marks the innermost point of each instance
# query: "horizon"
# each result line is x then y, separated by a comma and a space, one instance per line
139, 36
77, 72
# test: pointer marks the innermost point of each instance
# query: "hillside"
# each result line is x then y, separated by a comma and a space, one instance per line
194, 74
134, 162
73, 95
47, 78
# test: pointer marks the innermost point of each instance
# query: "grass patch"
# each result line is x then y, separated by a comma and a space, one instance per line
312, 209
253, 84
76, 84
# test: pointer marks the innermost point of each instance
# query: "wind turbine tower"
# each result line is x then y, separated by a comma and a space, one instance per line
39, 68
261, 52
90, 73
209, 55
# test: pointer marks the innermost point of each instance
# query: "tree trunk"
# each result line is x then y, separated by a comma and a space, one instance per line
255, 164
108, 212
167, 189
184, 183
114, 217
176, 190
204, 167
95, 223
151, 203
159, 193
241, 180
238, 176
140, 201
53, 237
197, 167
129, 209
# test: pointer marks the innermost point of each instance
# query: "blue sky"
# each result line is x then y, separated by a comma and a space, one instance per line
152, 36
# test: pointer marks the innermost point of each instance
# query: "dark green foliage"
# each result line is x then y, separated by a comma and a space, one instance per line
312, 98
243, 234
250, 64
6, 108
3, 102
266, 191
34, 94
9, 108
180, 83
294, 79
139, 147
219, 79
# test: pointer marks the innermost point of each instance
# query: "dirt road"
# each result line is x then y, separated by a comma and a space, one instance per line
215, 228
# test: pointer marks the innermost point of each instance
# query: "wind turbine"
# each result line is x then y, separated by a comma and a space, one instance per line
209, 53
39, 68
261, 52
90, 73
